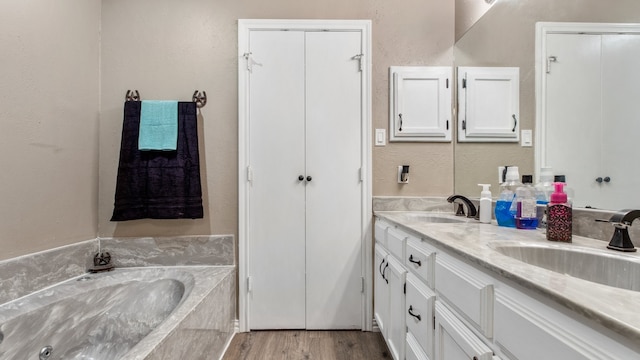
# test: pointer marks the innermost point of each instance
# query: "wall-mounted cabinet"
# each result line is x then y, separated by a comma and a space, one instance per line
420, 103
488, 104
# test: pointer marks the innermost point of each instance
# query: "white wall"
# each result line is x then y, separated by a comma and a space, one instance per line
49, 71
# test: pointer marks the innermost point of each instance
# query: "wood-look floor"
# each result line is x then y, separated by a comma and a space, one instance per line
303, 345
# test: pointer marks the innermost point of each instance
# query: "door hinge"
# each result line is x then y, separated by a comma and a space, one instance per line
434, 323
447, 83
447, 124
405, 288
464, 83
464, 124
361, 175
249, 174
362, 283
249, 285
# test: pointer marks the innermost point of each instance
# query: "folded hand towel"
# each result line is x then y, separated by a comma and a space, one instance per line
158, 125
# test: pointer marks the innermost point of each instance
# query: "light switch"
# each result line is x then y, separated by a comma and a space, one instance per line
381, 137
526, 138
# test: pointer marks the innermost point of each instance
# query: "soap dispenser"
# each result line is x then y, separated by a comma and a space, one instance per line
526, 213
559, 225
485, 204
505, 211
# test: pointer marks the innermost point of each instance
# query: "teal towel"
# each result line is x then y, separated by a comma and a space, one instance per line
158, 125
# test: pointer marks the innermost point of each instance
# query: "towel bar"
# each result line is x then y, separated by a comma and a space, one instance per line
200, 98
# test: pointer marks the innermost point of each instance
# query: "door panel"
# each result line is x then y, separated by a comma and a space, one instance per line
620, 94
334, 196
573, 108
277, 243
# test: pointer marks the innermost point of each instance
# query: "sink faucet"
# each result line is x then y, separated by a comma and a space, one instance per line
621, 221
471, 209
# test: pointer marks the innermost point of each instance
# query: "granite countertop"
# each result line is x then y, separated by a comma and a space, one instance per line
614, 308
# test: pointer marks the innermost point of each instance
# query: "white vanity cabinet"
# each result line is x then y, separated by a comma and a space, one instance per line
381, 289
397, 328
419, 317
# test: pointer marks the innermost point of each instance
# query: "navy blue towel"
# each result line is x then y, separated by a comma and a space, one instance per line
159, 184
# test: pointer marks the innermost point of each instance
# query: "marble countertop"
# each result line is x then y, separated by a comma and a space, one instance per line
613, 308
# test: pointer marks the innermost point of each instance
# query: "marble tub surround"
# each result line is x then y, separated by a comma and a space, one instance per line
193, 297
28, 273
171, 250
207, 330
614, 309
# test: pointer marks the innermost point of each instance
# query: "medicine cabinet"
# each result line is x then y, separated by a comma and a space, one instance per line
488, 104
420, 103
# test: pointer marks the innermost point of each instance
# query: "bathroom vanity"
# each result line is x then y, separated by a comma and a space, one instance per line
451, 288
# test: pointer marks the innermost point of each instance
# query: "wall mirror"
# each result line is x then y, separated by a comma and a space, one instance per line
505, 36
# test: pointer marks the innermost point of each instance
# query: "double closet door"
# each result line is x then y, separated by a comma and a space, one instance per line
305, 193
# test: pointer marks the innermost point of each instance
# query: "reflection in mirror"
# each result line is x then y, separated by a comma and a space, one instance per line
505, 36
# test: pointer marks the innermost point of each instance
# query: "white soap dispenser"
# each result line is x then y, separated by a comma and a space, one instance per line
485, 204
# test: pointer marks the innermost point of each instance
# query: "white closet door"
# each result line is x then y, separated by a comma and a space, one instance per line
333, 134
277, 215
573, 104
621, 126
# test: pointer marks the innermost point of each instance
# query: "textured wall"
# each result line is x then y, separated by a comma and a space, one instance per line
48, 123
167, 49
505, 36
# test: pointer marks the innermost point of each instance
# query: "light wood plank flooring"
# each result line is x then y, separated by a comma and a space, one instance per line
311, 345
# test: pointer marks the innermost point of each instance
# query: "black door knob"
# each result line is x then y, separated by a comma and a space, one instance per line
309, 178
300, 178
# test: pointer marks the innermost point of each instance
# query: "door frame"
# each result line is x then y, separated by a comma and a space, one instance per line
245, 26
542, 30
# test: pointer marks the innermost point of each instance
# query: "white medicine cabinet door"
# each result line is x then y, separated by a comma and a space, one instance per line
488, 104
420, 103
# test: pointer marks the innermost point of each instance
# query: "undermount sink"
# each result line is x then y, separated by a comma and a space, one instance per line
435, 218
603, 268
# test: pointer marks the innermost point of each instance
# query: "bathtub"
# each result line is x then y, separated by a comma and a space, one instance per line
127, 313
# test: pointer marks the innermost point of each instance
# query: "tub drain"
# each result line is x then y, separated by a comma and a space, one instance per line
45, 352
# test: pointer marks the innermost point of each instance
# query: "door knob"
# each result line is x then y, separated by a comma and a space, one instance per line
309, 178
300, 178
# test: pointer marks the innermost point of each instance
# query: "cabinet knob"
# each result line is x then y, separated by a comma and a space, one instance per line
599, 179
607, 179
300, 178
309, 178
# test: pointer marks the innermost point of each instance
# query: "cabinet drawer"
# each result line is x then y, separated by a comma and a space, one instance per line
413, 350
419, 304
454, 340
395, 242
380, 231
420, 259
518, 320
467, 290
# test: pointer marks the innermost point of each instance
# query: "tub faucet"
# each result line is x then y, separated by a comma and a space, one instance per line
621, 222
471, 209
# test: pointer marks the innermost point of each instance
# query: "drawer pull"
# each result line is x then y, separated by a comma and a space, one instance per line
414, 261
414, 315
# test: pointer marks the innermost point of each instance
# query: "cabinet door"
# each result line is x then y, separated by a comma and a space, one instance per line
419, 314
381, 290
397, 327
488, 104
420, 103
454, 341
